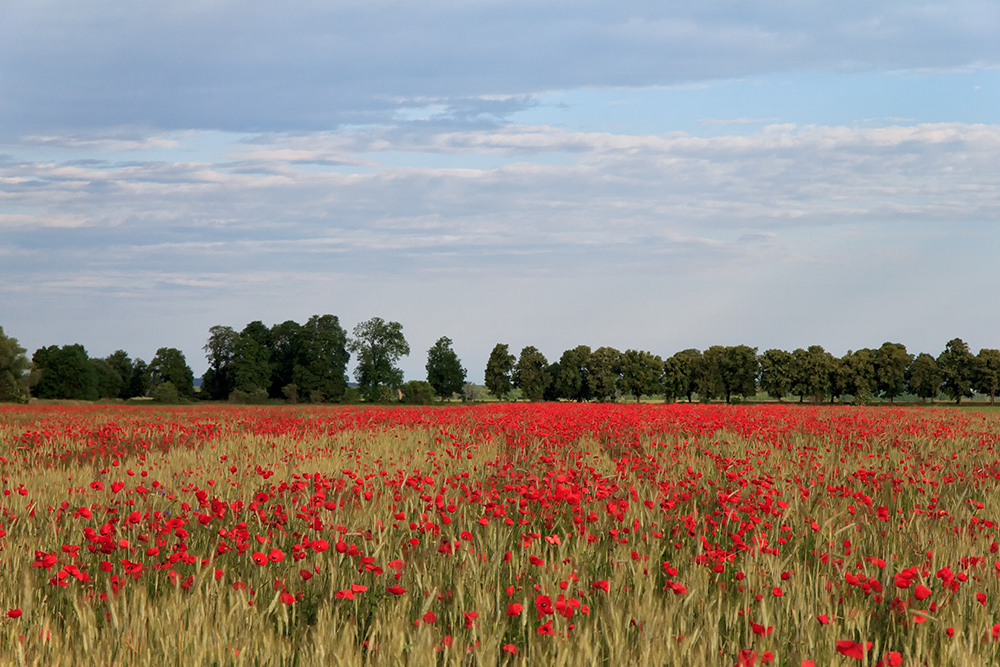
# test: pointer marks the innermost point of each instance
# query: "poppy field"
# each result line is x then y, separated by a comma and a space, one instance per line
541, 534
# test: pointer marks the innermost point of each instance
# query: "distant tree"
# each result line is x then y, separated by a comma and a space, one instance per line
957, 366
682, 374
572, 381
530, 374
378, 346
776, 373
641, 372
169, 365
551, 392
499, 369
320, 373
603, 372
739, 371
840, 378
444, 369
987, 373
923, 377
891, 362
123, 366
109, 381
473, 392
219, 381
141, 382
251, 364
65, 372
285, 351
811, 372
858, 374
14, 371
709, 373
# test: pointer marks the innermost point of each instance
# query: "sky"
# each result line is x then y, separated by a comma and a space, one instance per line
647, 175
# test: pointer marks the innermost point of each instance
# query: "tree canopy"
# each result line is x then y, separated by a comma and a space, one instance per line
531, 373
444, 369
499, 371
957, 365
14, 367
169, 365
378, 346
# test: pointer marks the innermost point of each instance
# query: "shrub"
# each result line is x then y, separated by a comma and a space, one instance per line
166, 392
418, 392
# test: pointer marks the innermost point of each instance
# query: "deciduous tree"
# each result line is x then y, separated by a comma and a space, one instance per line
856, 374
65, 372
285, 351
219, 381
739, 371
530, 374
603, 372
251, 366
682, 373
923, 377
811, 372
891, 362
321, 370
14, 367
378, 346
499, 369
987, 373
641, 372
776, 373
169, 365
572, 381
957, 366
444, 369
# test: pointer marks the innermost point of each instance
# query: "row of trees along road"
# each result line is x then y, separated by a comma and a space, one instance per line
738, 371
309, 361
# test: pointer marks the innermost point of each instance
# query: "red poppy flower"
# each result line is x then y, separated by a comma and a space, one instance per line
14, 613
546, 629
287, 598
396, 590
259, 558
510, 648
891, 659
921, 592
823, 619
602, 585
514, 608
276, 555
852, 649
430, 617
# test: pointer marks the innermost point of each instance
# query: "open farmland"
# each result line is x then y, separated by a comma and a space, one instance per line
500, 534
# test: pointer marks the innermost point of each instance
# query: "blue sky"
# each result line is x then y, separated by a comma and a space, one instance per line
651, 175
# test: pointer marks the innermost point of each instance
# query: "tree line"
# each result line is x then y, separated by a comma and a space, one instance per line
288, 361
739, 372
308, 362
